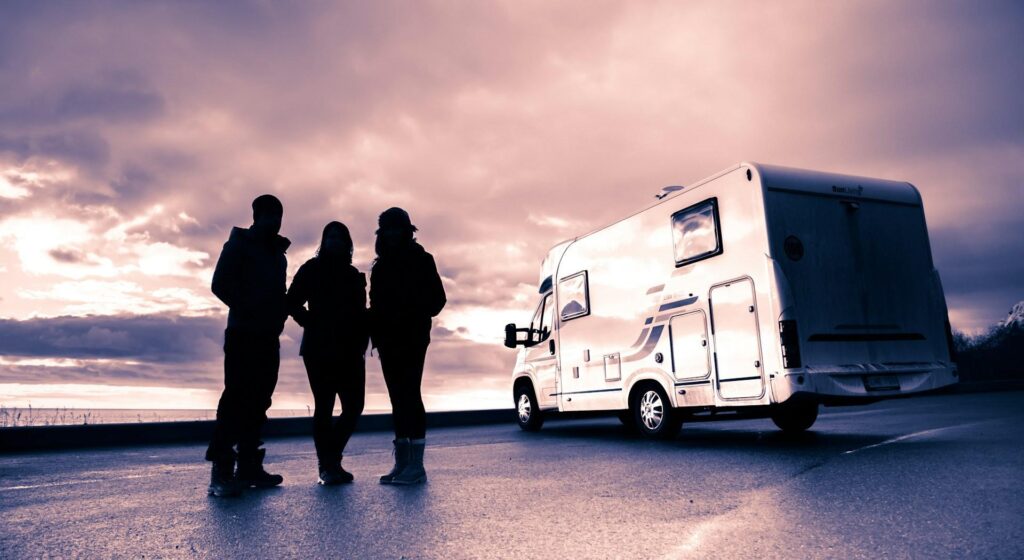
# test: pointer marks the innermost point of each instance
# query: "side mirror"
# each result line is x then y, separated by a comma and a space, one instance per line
512, 336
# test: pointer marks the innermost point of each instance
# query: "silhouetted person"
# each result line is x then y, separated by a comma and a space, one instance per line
250, 280
334, 342
405, 292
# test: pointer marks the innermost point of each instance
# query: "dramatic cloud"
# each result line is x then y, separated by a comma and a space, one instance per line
152, 338
185, 352
134, 135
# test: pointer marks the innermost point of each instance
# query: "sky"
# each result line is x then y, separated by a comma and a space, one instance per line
134, 135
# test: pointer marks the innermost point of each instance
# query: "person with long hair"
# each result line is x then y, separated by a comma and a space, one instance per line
334, 340
405, 293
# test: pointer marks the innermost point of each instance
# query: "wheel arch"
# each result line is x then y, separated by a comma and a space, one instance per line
523, 378
643, 378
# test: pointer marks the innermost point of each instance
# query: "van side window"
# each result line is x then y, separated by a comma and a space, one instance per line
542, 318
573, 296
535, 322
696, 233
547, 318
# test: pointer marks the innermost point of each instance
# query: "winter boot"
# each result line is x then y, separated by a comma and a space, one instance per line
331, 473
401, 454
223, 483
251, 473
413, 473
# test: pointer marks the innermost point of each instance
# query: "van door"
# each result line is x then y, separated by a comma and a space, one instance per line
542, 357
737, 356
691, 358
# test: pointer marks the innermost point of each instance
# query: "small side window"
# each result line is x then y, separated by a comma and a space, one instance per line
573, 296
696, 233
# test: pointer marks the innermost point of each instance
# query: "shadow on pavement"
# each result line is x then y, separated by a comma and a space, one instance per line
741, 434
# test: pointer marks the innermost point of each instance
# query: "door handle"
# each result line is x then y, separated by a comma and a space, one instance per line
551, 346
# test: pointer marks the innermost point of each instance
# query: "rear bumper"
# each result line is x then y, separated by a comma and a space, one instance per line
848, 382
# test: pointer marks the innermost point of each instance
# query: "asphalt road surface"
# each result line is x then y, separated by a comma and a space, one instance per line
931, 477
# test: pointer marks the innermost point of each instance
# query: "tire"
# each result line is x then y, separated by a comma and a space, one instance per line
795, 417
653, 414
528, 413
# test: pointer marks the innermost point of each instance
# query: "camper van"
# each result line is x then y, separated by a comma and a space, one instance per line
759, 292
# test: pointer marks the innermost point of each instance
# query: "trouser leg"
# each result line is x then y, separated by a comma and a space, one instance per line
417, 420
320, 373
352, 390
403, 373
264, 366
231, 407
390, 365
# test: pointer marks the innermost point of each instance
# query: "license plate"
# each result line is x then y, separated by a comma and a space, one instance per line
881, 382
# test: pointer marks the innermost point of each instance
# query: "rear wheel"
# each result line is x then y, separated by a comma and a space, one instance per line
528, 413
795, 417
653, 414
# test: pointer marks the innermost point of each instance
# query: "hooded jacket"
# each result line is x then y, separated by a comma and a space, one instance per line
336, 320
405, 292
250, 279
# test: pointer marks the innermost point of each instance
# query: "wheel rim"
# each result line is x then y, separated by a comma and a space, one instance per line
652, 410
525, 408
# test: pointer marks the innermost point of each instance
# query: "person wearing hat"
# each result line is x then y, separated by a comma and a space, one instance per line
405, 293
250, 280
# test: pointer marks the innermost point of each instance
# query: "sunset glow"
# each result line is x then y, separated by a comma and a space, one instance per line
133, 136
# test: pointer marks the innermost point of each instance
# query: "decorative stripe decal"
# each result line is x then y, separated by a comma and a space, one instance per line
701, 382
648, 347
582, 392
720, 381
639, 339
677, 303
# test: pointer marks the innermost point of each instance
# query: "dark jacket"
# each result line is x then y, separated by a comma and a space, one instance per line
336, 320
405, 292
250, 279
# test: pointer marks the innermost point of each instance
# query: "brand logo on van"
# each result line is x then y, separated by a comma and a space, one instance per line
848, 190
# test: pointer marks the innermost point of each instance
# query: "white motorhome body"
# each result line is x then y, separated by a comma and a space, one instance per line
756, 287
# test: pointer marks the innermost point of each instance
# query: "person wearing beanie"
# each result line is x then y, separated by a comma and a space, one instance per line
405, 294
250, 280
334, 340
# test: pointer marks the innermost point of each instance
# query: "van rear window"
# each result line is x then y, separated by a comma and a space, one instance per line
696, 233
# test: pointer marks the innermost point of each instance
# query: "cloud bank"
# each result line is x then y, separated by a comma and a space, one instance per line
134, 135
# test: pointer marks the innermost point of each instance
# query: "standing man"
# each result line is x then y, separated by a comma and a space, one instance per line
405, 293
250, 280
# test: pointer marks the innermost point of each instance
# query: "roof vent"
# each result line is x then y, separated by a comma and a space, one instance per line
667, 190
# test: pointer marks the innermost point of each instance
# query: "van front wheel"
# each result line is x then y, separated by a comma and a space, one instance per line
528, 413
795, 417
653, 414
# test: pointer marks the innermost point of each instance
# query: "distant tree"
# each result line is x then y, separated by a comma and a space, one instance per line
996, 355
962, 342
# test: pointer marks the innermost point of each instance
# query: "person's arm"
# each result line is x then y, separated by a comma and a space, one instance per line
371, 314
356, 295
361, 318
298, 295
227, 275
434, 298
